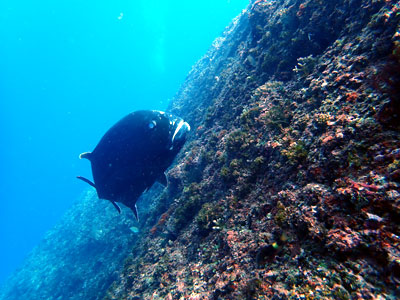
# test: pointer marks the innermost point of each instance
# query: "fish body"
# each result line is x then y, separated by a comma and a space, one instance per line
133, 154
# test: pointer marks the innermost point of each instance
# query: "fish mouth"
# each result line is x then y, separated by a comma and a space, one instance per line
180, 132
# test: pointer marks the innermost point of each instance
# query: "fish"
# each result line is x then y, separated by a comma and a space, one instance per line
134, 154
134, 229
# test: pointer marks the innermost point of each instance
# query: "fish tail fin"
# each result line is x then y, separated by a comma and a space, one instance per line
86, 180
86, 155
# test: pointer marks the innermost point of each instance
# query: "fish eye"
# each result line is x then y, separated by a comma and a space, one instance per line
152, 124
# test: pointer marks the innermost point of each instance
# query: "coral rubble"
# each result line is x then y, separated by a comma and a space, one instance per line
289, 186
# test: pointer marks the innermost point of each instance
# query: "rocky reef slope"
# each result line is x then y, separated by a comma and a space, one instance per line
79, 258
289, 186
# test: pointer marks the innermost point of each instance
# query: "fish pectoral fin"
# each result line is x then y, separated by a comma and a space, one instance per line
116, 206
86, 180
86, 155
162, 179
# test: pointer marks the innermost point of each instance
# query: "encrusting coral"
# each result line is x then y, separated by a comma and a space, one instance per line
289, 186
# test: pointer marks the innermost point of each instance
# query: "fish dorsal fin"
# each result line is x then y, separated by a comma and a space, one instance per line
116, 206
135, 212
162, 179
86, 180
86, 155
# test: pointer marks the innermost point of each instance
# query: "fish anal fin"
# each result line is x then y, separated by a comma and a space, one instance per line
86, 155
135, 212
162, 179
86, 180
116, 206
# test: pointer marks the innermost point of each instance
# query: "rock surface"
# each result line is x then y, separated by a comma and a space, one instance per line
79, 258
289, 186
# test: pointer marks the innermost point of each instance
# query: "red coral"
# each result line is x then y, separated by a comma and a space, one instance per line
300, 12
163, 219
369, 189
343, 240
352, 97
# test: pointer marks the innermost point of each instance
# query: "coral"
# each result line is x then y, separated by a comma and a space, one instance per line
305, 66
189, 207
296, 152
238, 143
209, 217
290, 188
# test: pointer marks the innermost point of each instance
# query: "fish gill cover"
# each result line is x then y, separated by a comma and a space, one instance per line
288, 187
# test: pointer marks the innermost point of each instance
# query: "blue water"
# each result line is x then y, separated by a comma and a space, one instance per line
68, 71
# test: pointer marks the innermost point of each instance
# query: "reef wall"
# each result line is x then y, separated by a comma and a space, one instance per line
289, 185
79, 258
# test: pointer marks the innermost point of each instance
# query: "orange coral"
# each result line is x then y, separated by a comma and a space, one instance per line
351, 97
161, 222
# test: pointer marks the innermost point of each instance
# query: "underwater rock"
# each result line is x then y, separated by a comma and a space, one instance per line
296, 141
79, 258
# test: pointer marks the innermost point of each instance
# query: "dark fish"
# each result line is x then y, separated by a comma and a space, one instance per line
135, 153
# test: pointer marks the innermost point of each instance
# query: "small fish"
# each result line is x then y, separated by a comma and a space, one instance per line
134, 229
135, 153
